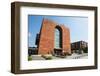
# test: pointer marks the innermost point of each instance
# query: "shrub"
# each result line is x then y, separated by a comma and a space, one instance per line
29, 58
85, 50
47, 57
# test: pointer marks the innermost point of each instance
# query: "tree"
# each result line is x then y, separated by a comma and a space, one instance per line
85, 50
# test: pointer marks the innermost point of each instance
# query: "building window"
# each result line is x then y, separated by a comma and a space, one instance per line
57, 38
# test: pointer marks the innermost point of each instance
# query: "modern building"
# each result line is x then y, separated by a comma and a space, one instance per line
53, 38
78, 46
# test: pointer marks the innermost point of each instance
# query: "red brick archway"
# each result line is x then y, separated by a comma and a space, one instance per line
46, 41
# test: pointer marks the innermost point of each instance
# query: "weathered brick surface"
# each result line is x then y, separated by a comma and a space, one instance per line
66, 39
46, 43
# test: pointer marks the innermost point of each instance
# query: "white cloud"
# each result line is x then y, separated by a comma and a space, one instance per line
29, 34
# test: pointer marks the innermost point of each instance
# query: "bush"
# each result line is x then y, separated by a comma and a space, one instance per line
47, 57
85, 50
29, 58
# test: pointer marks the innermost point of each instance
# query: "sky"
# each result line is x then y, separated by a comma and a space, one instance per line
78, 27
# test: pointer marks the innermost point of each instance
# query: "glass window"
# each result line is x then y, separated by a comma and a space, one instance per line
57, 38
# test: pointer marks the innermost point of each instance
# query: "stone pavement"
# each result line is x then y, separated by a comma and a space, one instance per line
78, 56
37, 57
73, 56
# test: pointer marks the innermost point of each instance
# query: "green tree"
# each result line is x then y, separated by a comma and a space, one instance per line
85, 50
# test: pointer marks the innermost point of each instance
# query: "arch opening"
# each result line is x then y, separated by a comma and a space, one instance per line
58, 40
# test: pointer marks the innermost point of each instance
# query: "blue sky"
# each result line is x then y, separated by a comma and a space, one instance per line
78, 27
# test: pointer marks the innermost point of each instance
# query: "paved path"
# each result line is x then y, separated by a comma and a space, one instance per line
73, 56
37, 57
78, 56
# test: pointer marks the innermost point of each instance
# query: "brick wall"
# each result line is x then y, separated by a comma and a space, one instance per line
46, 43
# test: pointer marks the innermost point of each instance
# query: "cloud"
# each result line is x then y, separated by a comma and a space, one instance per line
29, 34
